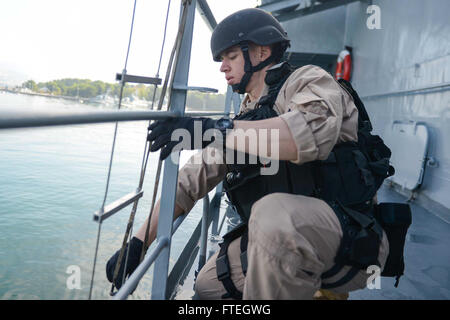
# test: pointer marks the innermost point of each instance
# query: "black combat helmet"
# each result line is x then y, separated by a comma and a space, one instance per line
245, 26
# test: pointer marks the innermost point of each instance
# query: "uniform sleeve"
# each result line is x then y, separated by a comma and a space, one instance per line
198, 176
312, 105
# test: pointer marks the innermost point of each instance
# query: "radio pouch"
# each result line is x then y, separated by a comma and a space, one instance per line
395, 219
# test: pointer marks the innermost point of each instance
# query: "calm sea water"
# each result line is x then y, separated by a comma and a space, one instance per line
52, 180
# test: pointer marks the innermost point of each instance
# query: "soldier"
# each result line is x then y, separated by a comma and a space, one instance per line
298, 232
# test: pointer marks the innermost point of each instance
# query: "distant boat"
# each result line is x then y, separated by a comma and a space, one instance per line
103, 99
135, 102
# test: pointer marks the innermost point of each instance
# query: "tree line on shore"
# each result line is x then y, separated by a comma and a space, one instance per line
85, 88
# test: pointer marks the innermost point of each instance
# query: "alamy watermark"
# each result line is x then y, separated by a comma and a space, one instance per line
263, 146
74, 280
374, 20
374, 281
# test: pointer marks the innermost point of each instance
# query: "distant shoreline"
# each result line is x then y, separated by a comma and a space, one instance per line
41, 94
76, 99
86, 100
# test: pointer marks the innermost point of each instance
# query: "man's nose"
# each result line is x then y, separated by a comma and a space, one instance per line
224, 66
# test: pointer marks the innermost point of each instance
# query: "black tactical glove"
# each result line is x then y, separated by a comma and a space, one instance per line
134, 256
161, 132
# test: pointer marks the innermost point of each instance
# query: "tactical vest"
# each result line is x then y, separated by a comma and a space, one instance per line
351, 174
347, 180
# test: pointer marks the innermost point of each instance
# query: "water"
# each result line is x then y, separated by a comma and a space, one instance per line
52, 180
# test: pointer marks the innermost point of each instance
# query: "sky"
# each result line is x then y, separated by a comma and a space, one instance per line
53, 39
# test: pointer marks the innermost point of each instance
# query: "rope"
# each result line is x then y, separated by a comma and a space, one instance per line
169, 74
112, 155
144, 162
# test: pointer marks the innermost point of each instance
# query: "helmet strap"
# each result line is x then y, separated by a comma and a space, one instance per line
249, 69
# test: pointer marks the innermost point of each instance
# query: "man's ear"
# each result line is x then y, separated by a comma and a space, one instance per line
265, 52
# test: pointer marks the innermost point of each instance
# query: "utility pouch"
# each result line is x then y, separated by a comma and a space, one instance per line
347, 176
395, 219
364, 238
359, 246
364, 250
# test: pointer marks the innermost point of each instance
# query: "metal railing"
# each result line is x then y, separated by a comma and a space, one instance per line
444, 86
13, 120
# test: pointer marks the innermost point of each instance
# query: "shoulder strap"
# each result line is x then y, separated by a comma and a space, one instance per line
223, 265
224, 274
363, 116
244, 243
275, 78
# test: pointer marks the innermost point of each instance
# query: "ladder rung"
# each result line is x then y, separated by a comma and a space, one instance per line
189, 88
117, 205
138, 79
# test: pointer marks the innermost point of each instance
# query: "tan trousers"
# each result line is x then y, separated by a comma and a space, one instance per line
293, 239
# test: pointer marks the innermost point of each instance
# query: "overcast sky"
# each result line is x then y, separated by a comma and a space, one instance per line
53, 39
